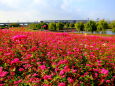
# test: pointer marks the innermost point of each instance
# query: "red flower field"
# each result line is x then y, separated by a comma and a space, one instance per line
56, 59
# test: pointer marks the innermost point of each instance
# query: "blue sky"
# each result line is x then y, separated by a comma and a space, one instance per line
36, 10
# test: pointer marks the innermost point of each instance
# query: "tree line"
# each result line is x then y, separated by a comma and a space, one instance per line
9, 26
89, 26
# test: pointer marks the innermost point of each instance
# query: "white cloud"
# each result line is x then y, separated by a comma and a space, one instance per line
30, 10
71, 5
14, 16
11, 3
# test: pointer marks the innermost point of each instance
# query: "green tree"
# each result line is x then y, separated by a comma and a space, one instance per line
79, 26
112, 25
52, 26
59, 26
43, 23
71, 25
66, 25
14, 25
102, 25
44, 26
3, 26
34, 26
91, 26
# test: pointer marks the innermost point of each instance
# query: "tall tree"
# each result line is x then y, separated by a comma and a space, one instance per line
91, 26
59, 26
71, 25
112, 25
34, 26
14, 25
44, 26
52, 26
66, 25
102, 25
79, 26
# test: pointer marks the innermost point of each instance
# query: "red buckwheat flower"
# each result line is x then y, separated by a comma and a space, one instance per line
2, 73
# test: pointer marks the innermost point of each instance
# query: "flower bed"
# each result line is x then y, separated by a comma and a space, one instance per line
56, 59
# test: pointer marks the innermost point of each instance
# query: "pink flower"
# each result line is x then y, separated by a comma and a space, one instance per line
1, 49
96, 70
70, 80
42, 67
104, 71
38, 63
96, 74
108, 81
66, 69
61, 72
62, 62
21, 69
35, 81
35, 74
1, 69
62, 84
63, 76
1, 84
7, 54
44, 26
12, 73
18, 37
102, 81
53, 57
16, 60
2, 73
27, 66
16, 82
28, 56
46, 77
74, 71
33, 48
46, 85
56, 69
89, 65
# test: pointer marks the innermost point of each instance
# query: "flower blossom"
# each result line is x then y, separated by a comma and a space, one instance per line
70, 80
61, 72
21, 69
2, 73
46, 77
16, 82
42, 67
19, 37
104, 71
16, 60
62, 84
